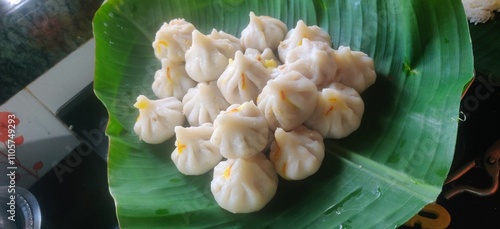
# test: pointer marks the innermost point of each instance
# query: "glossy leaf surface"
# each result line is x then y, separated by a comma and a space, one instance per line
379, 177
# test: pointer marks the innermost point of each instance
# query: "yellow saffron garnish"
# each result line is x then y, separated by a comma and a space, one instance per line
180, 147
164, 43
169, 77
270, 63
276, 153
339, 104
282, 95
142, 104
227, 172
329, 110
243, 81
283, 168
233, 110
259, 58
236, 109
160, 44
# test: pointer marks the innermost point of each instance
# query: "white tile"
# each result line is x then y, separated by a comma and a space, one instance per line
46, 139
68, 77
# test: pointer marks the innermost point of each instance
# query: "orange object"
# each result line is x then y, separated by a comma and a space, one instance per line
432, 216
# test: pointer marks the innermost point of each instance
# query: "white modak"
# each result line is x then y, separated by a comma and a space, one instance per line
194, 154
203, 103
258, 106
243, 79
297, 154
157, 118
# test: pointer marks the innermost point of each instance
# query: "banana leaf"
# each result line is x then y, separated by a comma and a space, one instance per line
378, 177
486, 48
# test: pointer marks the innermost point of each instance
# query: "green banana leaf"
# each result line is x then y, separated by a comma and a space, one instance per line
486, 48
378, 177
